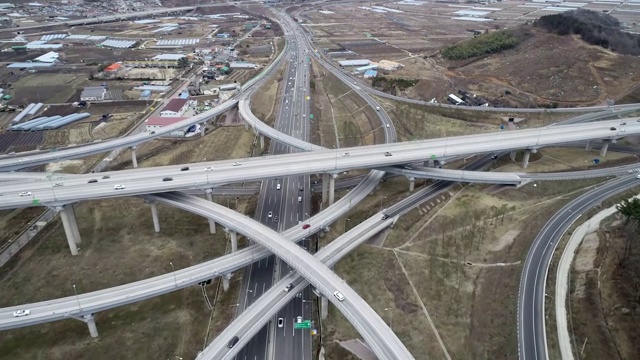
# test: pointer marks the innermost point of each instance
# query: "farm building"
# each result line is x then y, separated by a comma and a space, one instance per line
49, 57
365, 68
113, 67
175, 108
361, 62
242, 65
156, 122
370, 74
29, 65
93, 93
168, 57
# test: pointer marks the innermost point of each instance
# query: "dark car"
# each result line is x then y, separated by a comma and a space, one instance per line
306, 226
167, 179
300, 188
186, 168
234, 340
613, 129
92, 181
106, 177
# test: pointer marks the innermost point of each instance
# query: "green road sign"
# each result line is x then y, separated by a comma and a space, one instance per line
433, 157
35, 201
303, 325
311, 116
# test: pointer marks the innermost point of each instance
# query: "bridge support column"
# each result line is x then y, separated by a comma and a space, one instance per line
202, 129
604, 148
325, 187
91, 323
212, 223
154, 216
225, 281
70, 226
589, 146
412, 183
525, 159
261, 141
134, 158
512, 155
324, 307
246, 126
332, 188
76, 231
234, 240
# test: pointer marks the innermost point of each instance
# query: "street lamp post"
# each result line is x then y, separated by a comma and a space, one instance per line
77, 298
390, 316
175, 280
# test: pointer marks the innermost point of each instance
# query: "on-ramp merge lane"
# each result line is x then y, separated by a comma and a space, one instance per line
532, 342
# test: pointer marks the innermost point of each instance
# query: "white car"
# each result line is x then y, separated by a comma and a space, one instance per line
288, 287
19, 313
280, 322
270, 214
338, 296
299, 319
25, 193
118, 187
208, 168
278, 187
236, 164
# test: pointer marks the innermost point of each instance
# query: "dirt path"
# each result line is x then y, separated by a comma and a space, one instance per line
424, 309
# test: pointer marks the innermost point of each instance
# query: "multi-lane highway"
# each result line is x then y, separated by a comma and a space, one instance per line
282, 204
532, 341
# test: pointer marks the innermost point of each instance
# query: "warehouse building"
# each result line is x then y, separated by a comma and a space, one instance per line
360, 62
93, 93
175, 108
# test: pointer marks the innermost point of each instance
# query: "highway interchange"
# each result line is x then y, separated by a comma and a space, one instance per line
297, 168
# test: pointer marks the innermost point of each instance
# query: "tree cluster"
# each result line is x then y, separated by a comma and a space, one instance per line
595, 28
630, 209
484, 44
390, 84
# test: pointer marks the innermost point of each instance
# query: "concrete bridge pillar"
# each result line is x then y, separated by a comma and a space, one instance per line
225, 281
70, 227
589, 146
332, 188
412, 183
91, 323
134, 158
324, 307
246, 126
512, 155
202, 129
325, 187
604, 148
212, 223
261, 141
525, 158
154, 216
76, 231
234, 240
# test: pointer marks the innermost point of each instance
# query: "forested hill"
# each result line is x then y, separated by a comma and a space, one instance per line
593, 27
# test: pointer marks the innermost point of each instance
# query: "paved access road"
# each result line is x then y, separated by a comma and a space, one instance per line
532, 342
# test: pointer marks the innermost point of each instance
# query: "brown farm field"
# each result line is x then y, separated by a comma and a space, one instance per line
47, 88
544, 70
